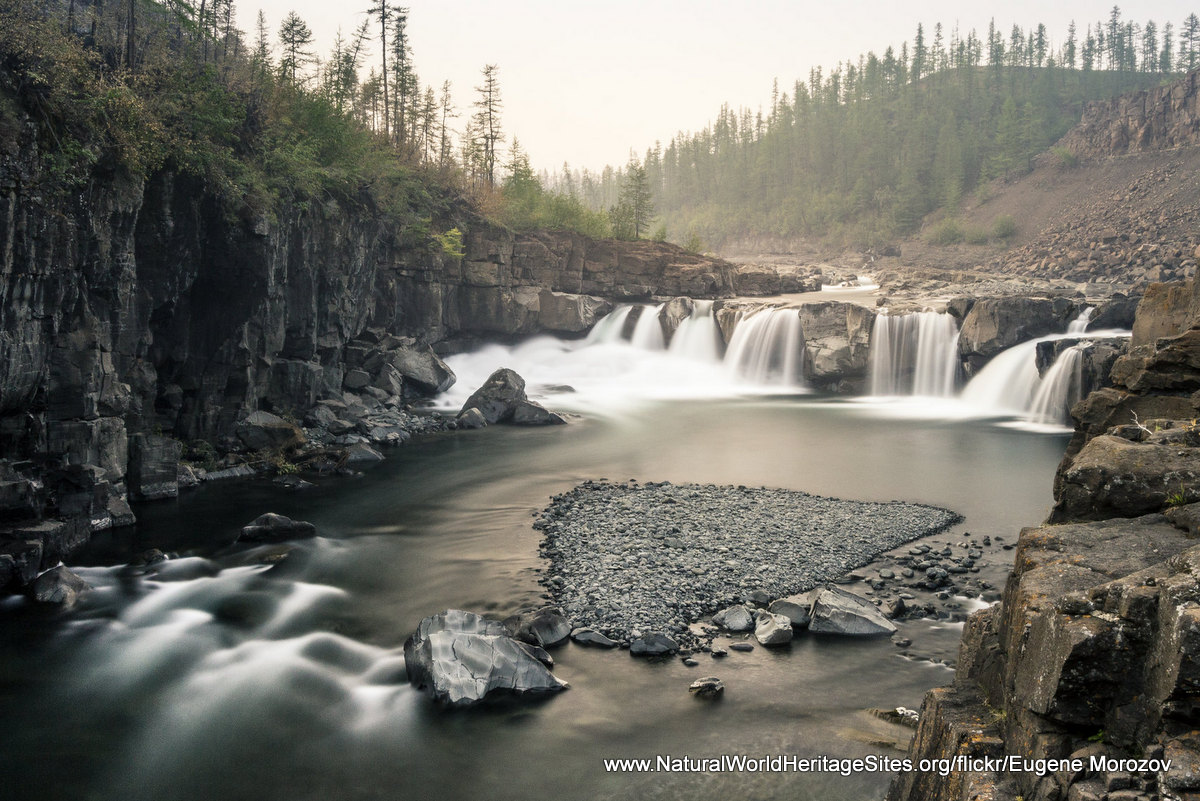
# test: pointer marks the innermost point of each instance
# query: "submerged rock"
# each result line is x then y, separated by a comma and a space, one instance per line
59, 586
585, 636
653, 645
276, 528
459, 658
771, 630
707, 687
836, 611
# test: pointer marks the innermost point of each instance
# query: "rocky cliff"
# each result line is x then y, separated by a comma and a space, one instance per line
1094, 652
143, 307
1152, 119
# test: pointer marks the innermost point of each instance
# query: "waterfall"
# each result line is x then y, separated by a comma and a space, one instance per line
767, 347
697, 337
1080, 323
914, 354
1060, 388
608, 328
647, 331
1007, 383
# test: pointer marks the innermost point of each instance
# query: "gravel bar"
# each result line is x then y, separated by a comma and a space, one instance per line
657, 557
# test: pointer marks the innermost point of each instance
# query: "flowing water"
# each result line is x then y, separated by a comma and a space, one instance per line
227, 677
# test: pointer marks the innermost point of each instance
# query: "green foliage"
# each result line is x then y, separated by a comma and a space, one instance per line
693, 243
1066, 159
660, 233
1177, 498
452, 243
1004, 227
946, 232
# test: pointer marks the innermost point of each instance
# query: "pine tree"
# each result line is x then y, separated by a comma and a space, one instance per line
487, 121
1189, 43
383, 11
294, 41
635, 205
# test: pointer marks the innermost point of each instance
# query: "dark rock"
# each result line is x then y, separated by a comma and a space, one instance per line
528, 413
502, 399
271, 527
741, 646
153, 467
459, 659
422, 368
544, 627
362, 453
995, 324
566, 313
58, 586
264, 431
26, 558
708, 687
1113, 477
356, 379
471, 418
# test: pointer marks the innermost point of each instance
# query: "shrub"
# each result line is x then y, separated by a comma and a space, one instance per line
1005, 227
946, 232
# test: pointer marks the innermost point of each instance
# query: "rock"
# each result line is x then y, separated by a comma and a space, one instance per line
1118, 311
672, 314
562, 312
995, 324
796, 608
585, 636
1186, 517
744, 647
471, 418
362, 453
58, 586
771, 630
25, 557
459, 659
708, 687
545, 627
153, 467
653, 645
272, 527
735, 618
836, 611
260, 431
356, 379
837, 341
502, 399
421, 368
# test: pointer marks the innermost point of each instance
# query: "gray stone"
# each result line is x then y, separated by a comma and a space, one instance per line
422, 368
772, 631
459, 659
708, 687
153, 467
796, 608
544, 627
836, 611
471, 418
586, 636
362, 453
653, 645
264, 431
502, 399
356, 379
58, 586
735, 618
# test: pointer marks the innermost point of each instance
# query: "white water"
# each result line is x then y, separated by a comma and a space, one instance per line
609, 327
697, 337
1060, 388
767, 348
647, 331
1080, 323
914, 354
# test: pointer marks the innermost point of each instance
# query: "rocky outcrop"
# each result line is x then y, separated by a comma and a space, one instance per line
1152, 119
502, 399
837, 343
995, 324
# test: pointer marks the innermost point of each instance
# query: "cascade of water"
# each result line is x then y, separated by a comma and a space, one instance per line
697, 336
914, 354
1060, 388
1080, 323
1007, 383
608, 328
767, 347
647, 331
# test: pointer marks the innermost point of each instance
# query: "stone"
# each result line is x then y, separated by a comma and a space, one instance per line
836, 611
586, 636
1113, 477
502, 399
459, 659
796, 608
421, 368
25, 557
653, 645
707, 688
744, 647
545, 627
272, 527
995, 324
58, 586
772, 631
153, 467
356, 379
260, 431
565, 313
362, 453
735, 618
471, 418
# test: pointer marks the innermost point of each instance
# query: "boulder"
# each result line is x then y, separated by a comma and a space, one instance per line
276, 528
153, 467
735, 618
421, 368
707, 687
265, 431
362, 453
837, 340
1114, 477
471, 418
545, 627
564, 313
458, 658
1116, 312
585, 636
502, 399
796, 608
653, 645
672, 314
58, 586
771, 630
836, 611
995, 324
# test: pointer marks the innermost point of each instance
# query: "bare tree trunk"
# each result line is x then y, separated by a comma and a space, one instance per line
132, 31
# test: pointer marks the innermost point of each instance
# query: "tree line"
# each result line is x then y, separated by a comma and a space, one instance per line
861, 153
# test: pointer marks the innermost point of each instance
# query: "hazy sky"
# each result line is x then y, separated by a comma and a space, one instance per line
585, 82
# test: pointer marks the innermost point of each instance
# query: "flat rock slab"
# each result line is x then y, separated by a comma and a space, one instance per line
660, 556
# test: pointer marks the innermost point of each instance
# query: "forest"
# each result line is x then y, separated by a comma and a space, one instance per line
862, 153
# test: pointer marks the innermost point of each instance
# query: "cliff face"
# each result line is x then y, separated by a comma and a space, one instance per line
1152, 119
1094, 651
139, 306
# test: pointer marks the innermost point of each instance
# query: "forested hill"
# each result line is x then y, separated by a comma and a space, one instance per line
859, 155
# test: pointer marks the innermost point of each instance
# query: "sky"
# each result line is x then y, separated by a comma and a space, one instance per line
586, 82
